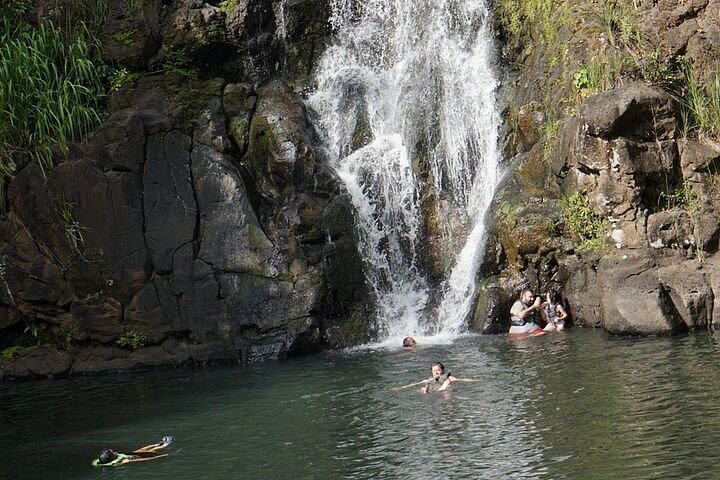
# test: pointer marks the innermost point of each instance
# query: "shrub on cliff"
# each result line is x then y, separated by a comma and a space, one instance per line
49, 90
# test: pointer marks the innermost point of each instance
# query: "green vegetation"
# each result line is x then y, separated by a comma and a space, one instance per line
11, 353
30, 338
700, 105
581, 222
49, 91
533, 20
682, 196
133, 6
126, 38
228, 6
215, 31
118, 78
551, 132
180, 63
16, 8
73, 229
131, 340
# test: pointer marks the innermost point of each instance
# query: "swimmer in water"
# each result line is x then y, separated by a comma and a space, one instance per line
438, 382
409, 342
111, 458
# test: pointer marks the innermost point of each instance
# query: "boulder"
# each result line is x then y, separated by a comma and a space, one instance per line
690, 292
634, 301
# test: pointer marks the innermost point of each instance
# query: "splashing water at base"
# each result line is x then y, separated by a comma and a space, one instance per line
406, 100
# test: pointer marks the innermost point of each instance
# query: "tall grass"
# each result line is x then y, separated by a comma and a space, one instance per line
49, 91
700, 105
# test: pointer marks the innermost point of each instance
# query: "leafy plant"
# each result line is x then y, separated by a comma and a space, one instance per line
179, 62
131, 340
34, 331
580, 79
215, 30
682, 196
16, 8
49, 92
118, 78
73, 229
582, 222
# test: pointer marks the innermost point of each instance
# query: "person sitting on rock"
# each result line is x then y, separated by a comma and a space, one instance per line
111, 458
525, 314
553, 312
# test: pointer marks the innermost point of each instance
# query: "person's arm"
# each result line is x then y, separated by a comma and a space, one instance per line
563, 313
530, 309
144, 459
409, 385
464, 380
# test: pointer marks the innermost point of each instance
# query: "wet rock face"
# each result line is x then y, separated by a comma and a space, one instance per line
234, 242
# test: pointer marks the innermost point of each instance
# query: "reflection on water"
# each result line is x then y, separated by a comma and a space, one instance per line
579, 405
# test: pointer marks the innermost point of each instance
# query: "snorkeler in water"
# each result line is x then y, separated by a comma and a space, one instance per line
438, 382
409, 342
111, 458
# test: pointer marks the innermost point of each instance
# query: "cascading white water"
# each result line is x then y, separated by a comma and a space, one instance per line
407, 87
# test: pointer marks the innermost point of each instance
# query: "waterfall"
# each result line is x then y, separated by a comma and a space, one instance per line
406, 100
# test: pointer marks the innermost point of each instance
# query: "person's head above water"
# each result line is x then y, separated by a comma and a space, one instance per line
107, 456
409, 342
553, 297
437, 369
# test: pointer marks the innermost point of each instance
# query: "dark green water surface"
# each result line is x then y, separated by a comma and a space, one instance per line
578, 405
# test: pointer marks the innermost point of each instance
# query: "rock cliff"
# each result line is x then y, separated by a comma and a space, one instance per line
611, 166
198, 223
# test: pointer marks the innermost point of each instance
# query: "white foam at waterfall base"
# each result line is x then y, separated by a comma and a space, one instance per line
403, 82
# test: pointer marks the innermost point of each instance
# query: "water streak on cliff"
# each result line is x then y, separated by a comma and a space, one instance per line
406, 99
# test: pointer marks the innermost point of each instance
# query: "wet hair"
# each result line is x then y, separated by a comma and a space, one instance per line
409, 342
107, 456
554, 297
522, 292
442, 367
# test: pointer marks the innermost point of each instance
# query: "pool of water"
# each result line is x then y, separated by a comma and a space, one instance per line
578, 405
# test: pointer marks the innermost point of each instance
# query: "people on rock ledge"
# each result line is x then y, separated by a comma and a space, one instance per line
529, 312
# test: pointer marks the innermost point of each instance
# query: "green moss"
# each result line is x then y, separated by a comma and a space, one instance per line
126, 38
11, 353
229, 6
261, 134
194, 100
